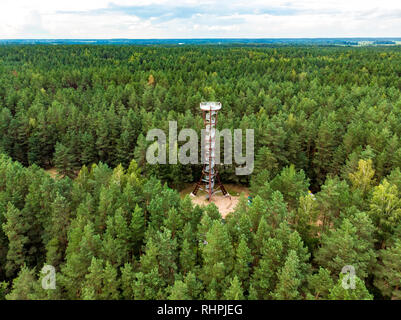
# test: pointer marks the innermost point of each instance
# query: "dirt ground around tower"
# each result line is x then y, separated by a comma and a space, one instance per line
224, 204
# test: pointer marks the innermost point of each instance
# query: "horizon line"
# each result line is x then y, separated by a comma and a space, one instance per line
207, 38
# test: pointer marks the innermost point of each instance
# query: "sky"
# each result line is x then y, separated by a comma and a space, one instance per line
145, 19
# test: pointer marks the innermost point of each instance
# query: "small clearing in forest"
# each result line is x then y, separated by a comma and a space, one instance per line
52, 172
224, 204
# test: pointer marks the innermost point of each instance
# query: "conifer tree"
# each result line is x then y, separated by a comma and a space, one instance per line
116, 243
127, 278
83, 245
187, 212
173, 222
253, 295
265, 160
111, 283
213, 212
15, 230
148, 286
179, 291
260, 184
256, 211
277, 210
385, 210
23, 286
296, 244
187, 257
326, 143
292, 184
333, 197
92, 287
394, 178
3, 290
137, 228
88, 154
263, 233
243, 261
194, 285
338, 292
124, 149
305, 218
64, 161
287, 287
204, 227
217, 256
388, 271
235, 291
264, 277
319, 284
343, 247
60, 220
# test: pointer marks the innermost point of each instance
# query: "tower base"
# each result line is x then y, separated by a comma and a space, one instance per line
203, 184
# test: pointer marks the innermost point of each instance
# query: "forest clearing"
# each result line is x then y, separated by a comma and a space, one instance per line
223, 203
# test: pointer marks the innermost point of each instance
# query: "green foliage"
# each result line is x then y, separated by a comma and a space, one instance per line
242, 263
320, 284
234, 292
305, 218
333, 197
23, 286
348, 245
264, 276
114, 229
3, 290
338, 292
288, 279
388, 271
179, 291
291, 184
362, 180
187, 256
64, 161
15, 229
385, 209
127, 278
218, 258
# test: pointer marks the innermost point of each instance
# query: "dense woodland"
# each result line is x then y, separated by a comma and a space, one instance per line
326, 119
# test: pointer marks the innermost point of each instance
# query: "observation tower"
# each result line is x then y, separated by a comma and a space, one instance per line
210, 179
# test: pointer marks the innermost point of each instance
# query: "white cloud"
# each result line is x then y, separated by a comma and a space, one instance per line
190, 18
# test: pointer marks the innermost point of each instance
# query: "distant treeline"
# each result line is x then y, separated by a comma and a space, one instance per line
206, 41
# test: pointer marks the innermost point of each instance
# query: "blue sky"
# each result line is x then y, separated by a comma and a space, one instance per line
198, 19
